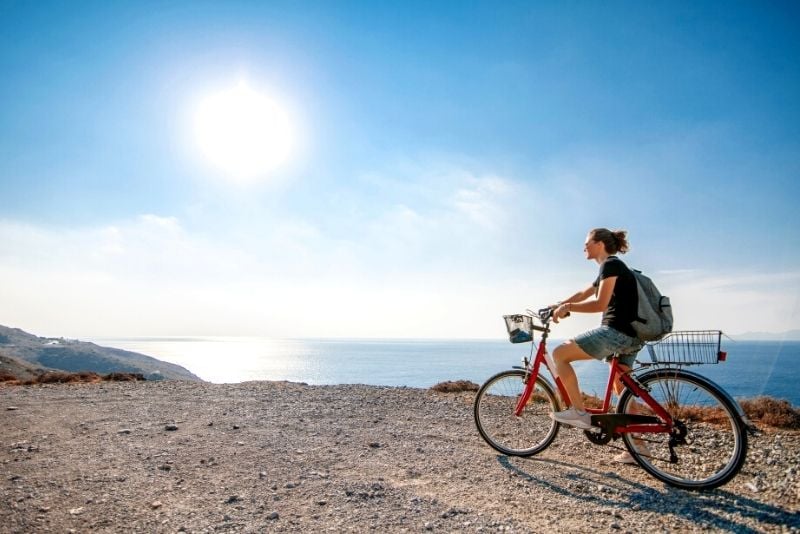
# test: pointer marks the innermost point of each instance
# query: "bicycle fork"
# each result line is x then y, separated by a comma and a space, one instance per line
532, 374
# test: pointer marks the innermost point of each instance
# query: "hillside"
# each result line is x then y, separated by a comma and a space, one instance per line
22, 370
30, 354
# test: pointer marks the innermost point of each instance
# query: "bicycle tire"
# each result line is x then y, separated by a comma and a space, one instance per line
715, 444
524, 435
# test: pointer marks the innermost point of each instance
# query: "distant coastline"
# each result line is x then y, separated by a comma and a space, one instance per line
789, 335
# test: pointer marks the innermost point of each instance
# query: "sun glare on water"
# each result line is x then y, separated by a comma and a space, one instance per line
242, 133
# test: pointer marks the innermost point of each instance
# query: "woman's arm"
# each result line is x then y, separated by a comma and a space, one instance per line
577, 297
586, 304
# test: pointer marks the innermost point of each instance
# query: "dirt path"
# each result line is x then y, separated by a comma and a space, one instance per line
271, 457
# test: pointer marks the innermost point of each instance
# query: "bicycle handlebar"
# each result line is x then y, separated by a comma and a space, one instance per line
545, 315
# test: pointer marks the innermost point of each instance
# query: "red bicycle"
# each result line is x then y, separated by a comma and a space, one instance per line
681, 427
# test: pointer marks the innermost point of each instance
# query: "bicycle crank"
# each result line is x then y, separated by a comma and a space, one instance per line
598, 436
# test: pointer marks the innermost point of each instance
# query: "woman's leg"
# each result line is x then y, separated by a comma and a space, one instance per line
619, 387
564, 355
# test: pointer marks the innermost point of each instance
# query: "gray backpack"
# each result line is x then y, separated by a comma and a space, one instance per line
654, 316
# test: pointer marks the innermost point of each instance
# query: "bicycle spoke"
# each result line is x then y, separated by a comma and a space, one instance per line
708, 445
522, 435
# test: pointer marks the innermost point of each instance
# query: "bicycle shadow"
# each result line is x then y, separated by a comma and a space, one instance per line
706, 507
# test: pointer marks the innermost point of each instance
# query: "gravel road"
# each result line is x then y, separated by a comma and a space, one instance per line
284, 457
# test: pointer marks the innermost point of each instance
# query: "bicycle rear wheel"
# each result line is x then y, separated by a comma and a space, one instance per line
709, 442
525, 435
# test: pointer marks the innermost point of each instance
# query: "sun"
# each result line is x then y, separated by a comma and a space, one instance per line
242, 133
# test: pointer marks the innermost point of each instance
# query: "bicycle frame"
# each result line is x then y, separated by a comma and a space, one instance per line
624, 423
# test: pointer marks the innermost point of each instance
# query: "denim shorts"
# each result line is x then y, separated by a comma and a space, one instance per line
603, 342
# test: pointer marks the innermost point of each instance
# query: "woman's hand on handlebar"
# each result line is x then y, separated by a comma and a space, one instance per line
561, 311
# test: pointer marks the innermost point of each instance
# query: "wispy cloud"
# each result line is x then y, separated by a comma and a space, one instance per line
734, 301
411, 246
397, 273
484, 200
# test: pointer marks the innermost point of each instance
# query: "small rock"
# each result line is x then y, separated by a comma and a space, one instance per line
171, 428
124, 431
262, 474
752, 487
236, 427
12, 408
374, 445
273, 516
76, 511
233, 499
155, 505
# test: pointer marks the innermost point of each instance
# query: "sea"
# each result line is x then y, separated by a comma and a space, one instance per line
752, 368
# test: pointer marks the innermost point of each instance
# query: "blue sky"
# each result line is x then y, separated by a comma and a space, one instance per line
448, 159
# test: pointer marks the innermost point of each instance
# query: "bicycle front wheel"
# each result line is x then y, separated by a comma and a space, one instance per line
709, 441
523, 435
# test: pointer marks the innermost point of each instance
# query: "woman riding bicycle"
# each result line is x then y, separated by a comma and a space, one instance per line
614, 294
679, 426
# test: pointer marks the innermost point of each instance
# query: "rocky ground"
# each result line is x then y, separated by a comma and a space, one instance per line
280, 457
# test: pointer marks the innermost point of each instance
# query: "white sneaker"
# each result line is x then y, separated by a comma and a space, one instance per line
574, 418
624, 458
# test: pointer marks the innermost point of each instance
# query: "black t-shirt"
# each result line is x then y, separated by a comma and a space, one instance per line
624, 301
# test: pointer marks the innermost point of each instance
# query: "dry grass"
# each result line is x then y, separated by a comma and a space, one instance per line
763, 411
66, 378
592, 401
123, 377
772, 412
714, 416
58, 377
455, 386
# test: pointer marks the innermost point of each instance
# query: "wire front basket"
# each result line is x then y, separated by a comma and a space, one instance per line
687, 348
520, 328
